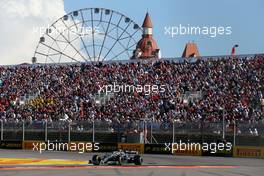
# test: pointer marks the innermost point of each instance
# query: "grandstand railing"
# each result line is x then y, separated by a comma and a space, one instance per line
240, 133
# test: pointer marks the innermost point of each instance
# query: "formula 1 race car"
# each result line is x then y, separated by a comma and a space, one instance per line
118, 158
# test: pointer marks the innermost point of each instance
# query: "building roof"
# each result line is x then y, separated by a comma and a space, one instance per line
191, 50
147, 42
147, 22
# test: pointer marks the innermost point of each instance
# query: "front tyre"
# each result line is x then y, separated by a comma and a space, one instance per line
120, 160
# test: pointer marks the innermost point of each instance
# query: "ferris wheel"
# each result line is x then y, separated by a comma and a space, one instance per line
91, 34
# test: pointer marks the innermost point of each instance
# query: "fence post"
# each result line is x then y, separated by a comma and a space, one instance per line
145, 129
93, 130
23, 130
2, 130
202, 128
173, 131
69, 131
46, 130
151, 130
234, 140
223, 125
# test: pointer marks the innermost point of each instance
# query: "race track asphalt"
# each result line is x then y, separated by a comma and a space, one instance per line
154, 165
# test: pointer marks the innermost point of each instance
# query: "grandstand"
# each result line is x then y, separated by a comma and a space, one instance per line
206, 89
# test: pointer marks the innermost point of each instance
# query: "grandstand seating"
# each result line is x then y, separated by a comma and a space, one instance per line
230, 87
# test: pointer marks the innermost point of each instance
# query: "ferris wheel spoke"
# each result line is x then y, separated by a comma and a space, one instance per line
101, 17
41, 54
135, 34
106, 33
54, 41
122, 45
100, 46
93, 33
82, 37
128, 42
116, 27
51, 59
132, 36
68, 42
60, 52
117, 39
122, 52
125, 38
101, 24
54, 54
76, 27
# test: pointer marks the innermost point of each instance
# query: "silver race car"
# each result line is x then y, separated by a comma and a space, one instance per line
118, 158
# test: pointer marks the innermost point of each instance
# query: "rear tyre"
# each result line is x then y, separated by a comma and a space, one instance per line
96, 160
138, 160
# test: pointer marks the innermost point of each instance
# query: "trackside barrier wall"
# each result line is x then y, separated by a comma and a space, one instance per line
107, 147
238, 151
131, 146
72, 145
188, 152
28, 145
156, 149
161, 149
248, 152
222, 153
92, 146
11, 145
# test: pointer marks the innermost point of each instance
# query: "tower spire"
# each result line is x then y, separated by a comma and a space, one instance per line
147, 22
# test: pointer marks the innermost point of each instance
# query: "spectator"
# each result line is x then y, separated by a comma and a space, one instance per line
68, 91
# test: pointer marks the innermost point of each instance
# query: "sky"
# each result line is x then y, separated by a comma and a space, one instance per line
244, 17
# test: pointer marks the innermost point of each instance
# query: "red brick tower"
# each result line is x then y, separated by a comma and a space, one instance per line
147, 47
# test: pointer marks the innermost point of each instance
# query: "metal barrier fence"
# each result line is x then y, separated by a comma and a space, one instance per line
152, 131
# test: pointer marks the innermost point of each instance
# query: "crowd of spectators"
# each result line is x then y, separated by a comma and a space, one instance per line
231, 88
